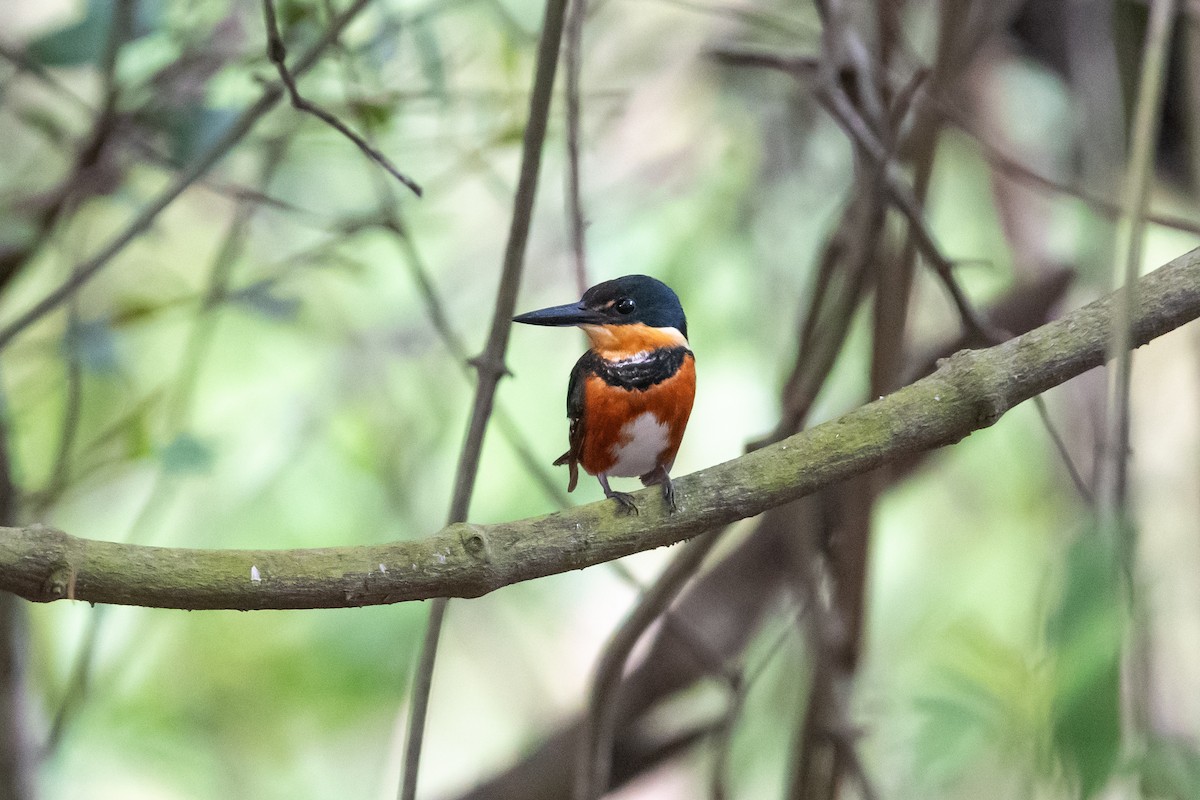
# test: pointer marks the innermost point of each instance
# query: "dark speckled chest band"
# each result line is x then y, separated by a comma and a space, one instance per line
640, 372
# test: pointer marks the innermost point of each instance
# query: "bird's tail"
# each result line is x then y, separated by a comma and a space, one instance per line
572, 469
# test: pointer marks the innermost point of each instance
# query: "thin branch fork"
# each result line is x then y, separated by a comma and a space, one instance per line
145, 218
834, 100
277, 54
969, 391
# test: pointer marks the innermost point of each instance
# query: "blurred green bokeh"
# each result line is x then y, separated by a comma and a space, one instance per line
315, 404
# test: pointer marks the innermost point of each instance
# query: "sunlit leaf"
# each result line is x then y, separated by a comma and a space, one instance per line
987, 696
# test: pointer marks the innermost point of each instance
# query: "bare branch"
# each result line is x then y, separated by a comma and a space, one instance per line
577, 11
1136, 688
277, 53
968, 392
834, 100
204, 162
489, 365
1129, 259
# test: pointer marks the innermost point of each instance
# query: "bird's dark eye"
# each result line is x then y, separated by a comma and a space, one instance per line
625, 305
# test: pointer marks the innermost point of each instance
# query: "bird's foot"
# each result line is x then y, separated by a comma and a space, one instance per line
624, 502
661, 477
668, 493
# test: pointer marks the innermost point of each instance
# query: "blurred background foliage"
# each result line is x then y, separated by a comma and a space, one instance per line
278, 360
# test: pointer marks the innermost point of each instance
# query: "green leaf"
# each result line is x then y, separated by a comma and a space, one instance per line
1170, 769
260, 298
985, 695
429, 50
81, 42
187, 454
1086, 634
371, 114
93, 345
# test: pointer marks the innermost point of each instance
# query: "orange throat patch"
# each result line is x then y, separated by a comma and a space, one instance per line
616, 342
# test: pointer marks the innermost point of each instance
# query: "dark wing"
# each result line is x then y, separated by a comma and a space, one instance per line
575, 413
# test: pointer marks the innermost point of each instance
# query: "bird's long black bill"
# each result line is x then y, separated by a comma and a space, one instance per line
558, 316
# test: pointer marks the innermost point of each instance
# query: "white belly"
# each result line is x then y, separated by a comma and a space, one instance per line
645, 438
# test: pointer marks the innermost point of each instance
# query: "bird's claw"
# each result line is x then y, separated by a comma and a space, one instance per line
624, 502
668, 493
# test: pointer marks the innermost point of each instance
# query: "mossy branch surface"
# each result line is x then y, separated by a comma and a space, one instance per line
969, 391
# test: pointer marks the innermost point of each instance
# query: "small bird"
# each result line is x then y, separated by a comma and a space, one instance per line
631, 393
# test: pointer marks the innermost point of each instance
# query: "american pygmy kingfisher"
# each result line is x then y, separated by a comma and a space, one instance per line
631, 393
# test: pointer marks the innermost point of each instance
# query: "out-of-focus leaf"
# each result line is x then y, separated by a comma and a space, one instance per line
296, 12
987, 695
93, 345
130, 430
43, 121
382, 47
261, 298
372, 114
1170, 769
133, 309
1085, 634
187, 454
148, 16
191, 129
953, 734
80, 42
429, 50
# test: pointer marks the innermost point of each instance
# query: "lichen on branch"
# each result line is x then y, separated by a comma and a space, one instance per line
967, 392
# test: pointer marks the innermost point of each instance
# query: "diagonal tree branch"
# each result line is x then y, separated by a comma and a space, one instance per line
968, 392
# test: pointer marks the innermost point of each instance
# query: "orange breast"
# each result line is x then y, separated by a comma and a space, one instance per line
609, 409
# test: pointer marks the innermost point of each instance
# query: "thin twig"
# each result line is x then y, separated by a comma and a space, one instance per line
740, 687
1126, 266
277, 53
901, 195
490, 364
203, 163
1114, 487
453, 342
826, 716
1081, 486
577, 11
833, 98
1014, 168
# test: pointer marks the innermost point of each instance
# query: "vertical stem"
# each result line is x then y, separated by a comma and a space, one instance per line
490, 364
1114, 489
574, 59
16, 763
1138, 177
